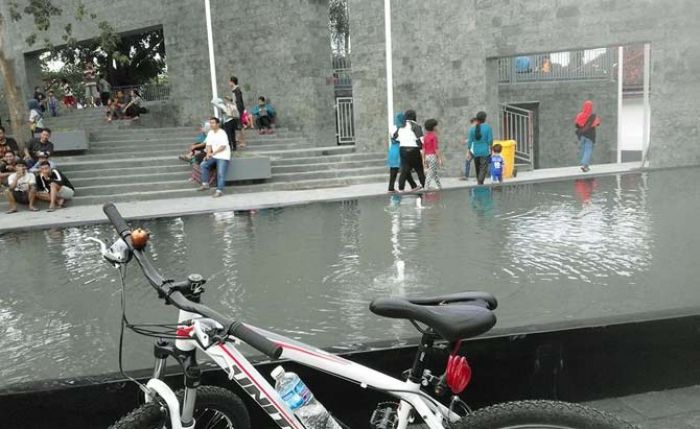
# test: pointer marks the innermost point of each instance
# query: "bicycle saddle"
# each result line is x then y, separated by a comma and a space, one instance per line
454, 317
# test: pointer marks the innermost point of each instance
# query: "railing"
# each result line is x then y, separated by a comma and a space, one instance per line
148, 91
517, 124
584, 64
345, 120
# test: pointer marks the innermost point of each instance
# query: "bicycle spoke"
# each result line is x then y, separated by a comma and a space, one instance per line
214, 421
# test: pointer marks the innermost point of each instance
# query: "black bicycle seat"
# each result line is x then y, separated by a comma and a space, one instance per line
453, 317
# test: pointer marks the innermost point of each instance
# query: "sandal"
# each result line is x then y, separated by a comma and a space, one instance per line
11, 211
33, 209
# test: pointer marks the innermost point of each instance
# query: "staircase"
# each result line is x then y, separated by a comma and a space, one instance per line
128, 162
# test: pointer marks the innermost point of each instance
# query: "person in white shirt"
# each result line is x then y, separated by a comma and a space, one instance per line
218, 155
21, 188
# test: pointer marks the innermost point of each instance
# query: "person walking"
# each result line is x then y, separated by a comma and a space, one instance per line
218, 155
410, 138
586, 122
479, 143
394, 155
105, 90
90, 82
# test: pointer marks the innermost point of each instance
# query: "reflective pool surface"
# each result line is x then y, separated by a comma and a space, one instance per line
569, 251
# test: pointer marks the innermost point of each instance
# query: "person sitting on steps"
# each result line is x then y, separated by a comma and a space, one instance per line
53, 186
21, 188
264, 115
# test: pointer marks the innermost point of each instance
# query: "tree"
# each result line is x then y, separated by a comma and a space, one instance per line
40, 12
339, 24
133, 60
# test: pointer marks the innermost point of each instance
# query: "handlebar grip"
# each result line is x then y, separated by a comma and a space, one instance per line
256, 341
117, 220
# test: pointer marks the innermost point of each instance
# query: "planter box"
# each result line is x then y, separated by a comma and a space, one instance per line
69, 141
248, 168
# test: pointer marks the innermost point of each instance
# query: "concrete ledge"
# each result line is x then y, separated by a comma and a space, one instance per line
249, 168
232, 201
69, 141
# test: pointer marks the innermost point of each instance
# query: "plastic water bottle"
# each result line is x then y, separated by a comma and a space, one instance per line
300, 399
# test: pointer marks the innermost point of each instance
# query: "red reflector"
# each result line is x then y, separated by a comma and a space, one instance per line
458, 373
184, 331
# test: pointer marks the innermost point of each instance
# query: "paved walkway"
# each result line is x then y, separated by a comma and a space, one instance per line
81, 215
668, 409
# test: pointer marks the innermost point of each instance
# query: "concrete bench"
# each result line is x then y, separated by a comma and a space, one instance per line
69, 141
249, 168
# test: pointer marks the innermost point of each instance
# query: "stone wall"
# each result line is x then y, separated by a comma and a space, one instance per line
441, 50
559, 102
281, 50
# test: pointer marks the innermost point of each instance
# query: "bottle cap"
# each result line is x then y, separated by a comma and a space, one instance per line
277, 372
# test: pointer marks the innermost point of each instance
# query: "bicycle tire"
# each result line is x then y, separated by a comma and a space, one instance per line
541, 415
209, 398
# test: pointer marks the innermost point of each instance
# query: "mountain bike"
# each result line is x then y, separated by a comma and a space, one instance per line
199, 329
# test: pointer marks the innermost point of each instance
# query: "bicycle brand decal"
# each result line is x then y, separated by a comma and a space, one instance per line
248, 383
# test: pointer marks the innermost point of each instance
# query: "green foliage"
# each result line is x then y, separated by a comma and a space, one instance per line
129, 60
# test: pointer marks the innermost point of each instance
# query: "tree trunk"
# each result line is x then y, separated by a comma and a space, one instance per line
14, 98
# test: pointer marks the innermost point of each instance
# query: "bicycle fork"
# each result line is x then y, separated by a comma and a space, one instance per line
185, 353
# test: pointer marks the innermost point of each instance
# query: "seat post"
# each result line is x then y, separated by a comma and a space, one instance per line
426, 343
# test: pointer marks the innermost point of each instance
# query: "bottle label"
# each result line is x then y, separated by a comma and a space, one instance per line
303, 392
292, 398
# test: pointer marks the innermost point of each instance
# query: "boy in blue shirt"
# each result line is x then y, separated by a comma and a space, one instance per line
497, 164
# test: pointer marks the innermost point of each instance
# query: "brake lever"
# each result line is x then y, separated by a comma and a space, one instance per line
118, 253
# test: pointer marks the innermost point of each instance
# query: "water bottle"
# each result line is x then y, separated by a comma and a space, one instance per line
300, 399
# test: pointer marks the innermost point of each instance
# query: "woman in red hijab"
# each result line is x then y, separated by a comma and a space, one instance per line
586, 123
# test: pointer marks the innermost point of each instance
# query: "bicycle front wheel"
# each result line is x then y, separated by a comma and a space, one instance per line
541, 415
215, 408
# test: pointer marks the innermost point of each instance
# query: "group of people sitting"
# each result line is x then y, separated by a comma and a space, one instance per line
122, 106
218, 138
29, 175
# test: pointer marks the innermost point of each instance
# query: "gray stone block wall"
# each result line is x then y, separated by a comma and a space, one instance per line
559, 102
280, 48
441, 50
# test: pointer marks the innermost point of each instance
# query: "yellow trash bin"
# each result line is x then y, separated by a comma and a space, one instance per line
508, 154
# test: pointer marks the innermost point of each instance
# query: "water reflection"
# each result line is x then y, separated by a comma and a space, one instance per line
550, 252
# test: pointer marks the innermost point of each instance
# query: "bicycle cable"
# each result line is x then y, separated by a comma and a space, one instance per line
125, 323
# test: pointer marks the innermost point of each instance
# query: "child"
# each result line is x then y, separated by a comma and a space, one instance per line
53, 104
497, 164
432, 158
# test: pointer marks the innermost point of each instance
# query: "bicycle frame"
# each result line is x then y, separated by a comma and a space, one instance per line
240, 370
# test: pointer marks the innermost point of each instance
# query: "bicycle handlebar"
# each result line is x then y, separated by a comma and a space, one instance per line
178, 300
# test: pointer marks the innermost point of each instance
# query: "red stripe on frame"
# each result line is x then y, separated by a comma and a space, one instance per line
282, 410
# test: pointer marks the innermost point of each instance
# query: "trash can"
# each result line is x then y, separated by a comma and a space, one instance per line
508, 154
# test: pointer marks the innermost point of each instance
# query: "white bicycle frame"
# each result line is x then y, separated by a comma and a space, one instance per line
240, 370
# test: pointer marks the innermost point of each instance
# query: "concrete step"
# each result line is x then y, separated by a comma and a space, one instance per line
353, 156
307, 152
145, 177
176, 149
182, 141
342, 165
329, 173
142, 187
82, 162
106, 132
190, 189
126, 170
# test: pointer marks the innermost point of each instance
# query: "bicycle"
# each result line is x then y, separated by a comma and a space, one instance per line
451, 318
